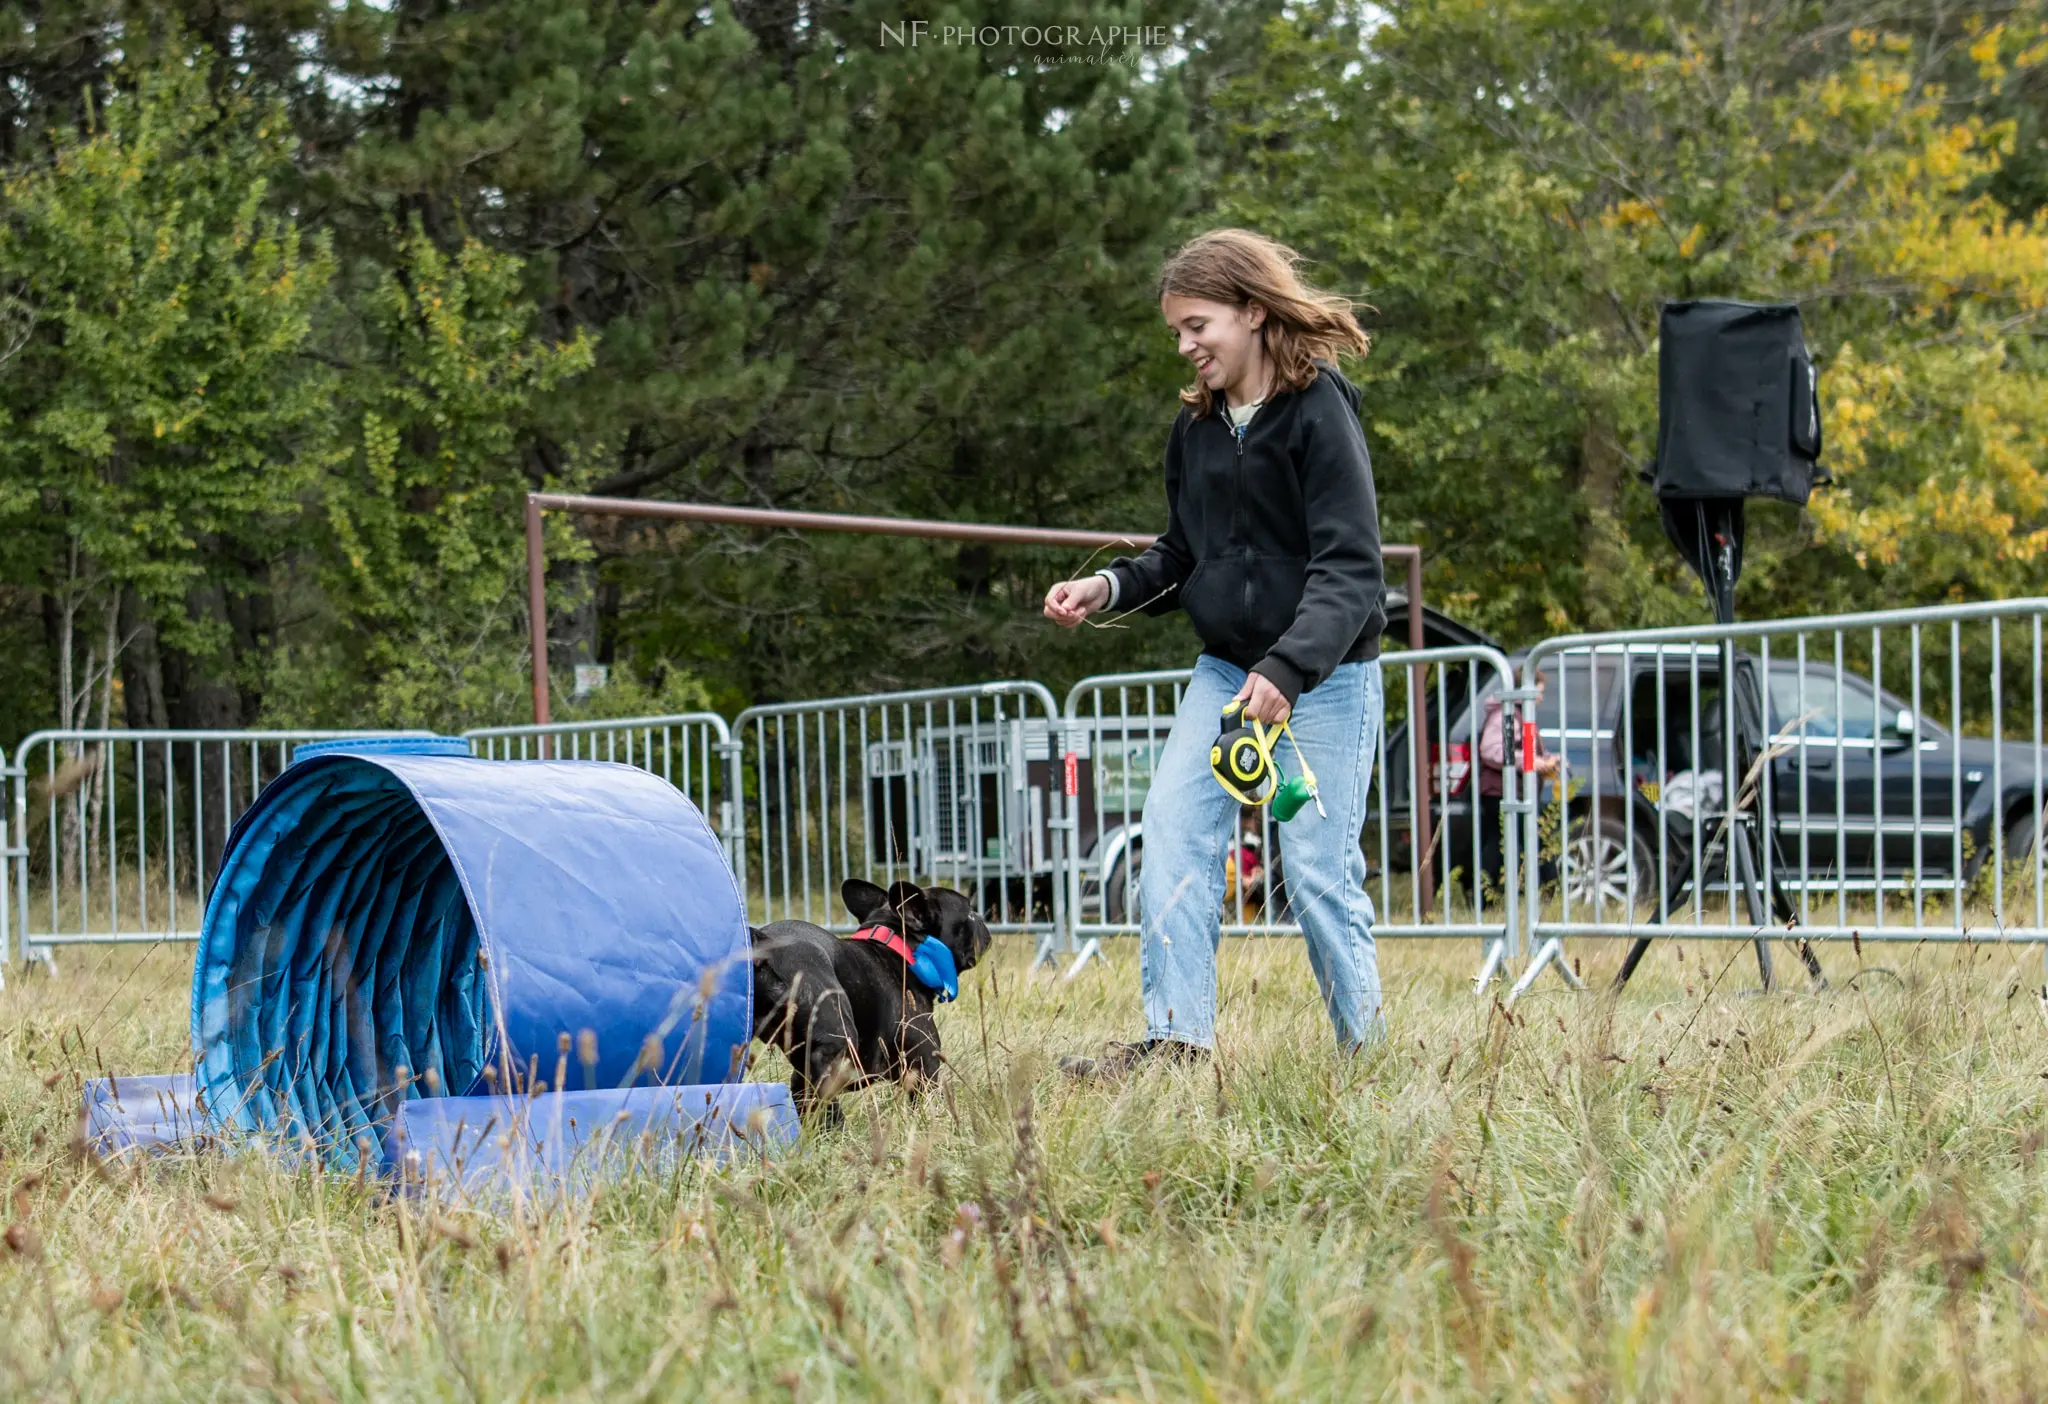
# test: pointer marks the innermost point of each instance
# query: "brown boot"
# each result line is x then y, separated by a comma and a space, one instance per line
1120, 1060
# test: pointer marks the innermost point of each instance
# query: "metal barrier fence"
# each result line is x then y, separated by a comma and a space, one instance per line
1891, 790
1899, 794
944, 786
1116, 726
693, 751
114, 832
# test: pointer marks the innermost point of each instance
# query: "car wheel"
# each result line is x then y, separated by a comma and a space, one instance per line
1604, 869
1120, 905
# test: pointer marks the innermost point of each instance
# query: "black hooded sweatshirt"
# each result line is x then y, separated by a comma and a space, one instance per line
1272, 541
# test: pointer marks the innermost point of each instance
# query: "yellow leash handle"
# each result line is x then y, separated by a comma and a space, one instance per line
1264, 737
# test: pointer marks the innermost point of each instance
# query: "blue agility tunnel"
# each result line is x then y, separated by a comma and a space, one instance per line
395, 921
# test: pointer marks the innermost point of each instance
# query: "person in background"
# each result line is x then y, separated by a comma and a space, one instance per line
1244, 877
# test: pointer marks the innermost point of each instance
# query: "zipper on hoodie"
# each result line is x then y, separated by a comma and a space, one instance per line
1237, 432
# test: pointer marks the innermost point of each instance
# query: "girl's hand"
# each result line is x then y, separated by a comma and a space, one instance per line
1071, 601
1263, 701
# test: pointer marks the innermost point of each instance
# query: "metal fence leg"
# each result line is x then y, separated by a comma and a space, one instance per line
1550, 953
732, 816
1091, 949
1061, 828
1496, 952
14, 867
6, 888
1515, 910
1047, 952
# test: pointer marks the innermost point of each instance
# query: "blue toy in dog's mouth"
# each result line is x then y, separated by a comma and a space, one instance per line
931, 962
934, 967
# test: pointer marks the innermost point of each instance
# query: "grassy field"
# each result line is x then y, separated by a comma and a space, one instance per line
1692, 1193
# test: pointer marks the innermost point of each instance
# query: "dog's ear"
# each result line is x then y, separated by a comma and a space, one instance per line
909, 899
862, 898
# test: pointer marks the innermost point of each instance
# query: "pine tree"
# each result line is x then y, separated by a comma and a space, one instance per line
821, 270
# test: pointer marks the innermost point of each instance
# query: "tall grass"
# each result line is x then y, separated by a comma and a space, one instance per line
1691, 1193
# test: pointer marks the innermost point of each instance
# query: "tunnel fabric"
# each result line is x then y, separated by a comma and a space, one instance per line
400, 921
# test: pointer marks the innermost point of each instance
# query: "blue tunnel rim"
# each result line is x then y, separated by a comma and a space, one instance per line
367, 746
279, 792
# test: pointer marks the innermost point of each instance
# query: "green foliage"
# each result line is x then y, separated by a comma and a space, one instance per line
1517, 188
664, 690
376, 271
824, 273
160, 398
420, 527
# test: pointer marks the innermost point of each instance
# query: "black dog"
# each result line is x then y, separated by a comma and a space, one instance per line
827, 1001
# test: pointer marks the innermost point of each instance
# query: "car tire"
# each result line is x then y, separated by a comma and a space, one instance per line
1120, 901
1604, 863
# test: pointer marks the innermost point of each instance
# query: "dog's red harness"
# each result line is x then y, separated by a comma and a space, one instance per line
883, 936
930, 963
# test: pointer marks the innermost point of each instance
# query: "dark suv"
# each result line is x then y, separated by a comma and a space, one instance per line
1856, 775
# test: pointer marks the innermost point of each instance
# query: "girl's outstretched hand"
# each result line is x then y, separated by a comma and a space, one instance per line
1071, 601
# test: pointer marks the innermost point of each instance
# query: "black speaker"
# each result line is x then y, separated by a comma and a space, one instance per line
1738, 416
1738, 409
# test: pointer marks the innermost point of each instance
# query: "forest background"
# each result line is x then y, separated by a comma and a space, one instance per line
298, 299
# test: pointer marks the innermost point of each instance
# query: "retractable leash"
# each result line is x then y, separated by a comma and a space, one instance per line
1242, 761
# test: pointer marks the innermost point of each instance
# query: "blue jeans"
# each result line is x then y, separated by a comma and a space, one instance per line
1188, 823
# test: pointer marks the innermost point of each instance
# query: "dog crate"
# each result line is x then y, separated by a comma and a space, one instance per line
970, 800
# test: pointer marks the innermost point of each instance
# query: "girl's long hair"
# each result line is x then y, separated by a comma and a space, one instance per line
1303, 324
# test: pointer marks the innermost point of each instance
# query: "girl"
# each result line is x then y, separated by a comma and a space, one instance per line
1272, 546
